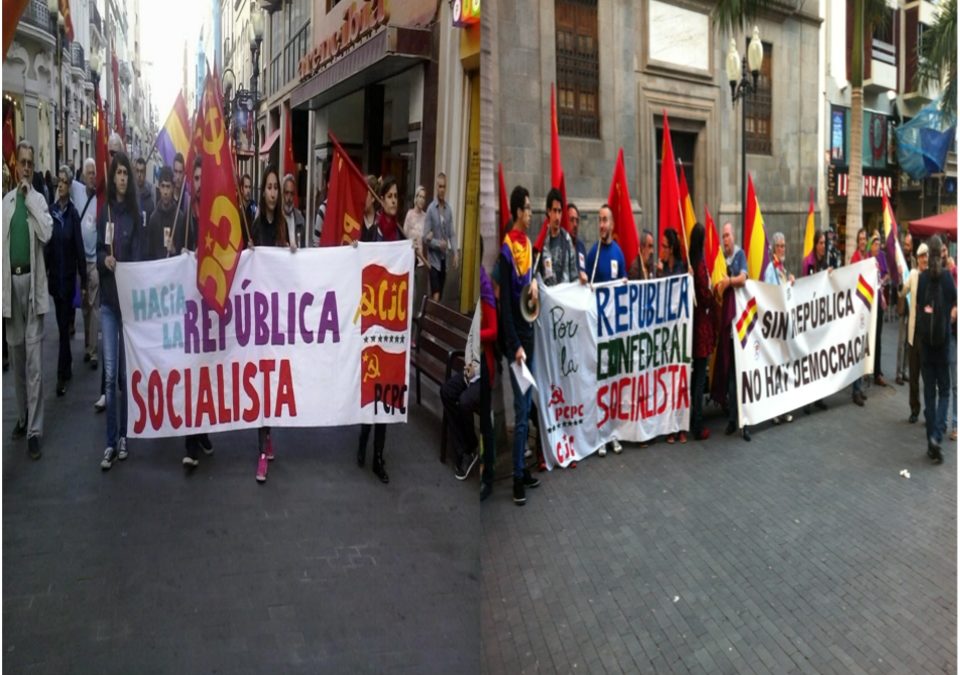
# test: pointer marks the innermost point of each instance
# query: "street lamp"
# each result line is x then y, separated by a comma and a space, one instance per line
740, 86
256, 38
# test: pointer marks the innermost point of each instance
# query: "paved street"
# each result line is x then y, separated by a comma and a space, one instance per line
802, 551
148, 569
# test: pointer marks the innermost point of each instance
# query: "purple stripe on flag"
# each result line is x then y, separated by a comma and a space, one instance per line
165, 147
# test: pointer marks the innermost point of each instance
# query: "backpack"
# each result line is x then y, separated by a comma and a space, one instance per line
933, 325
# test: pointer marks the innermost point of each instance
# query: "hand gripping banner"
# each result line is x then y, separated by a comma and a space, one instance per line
320, 337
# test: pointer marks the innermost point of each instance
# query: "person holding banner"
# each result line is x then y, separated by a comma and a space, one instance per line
296, 226
269, 229
606, 263
516, 272
643, 266
558, 264
815, 263
386, 228
780, 276
573, 217
909, 294
937, 301
726, 374
119, 232
704, 331
185, 238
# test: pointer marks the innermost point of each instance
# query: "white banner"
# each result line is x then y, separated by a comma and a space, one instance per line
612, 362
797, 344
319, 337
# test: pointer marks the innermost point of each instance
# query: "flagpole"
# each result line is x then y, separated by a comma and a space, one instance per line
350, 163
183, 185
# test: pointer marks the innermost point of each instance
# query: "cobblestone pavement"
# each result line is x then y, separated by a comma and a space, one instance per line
803, 551
149, 569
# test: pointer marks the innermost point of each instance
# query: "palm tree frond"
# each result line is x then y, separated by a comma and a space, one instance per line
937, 67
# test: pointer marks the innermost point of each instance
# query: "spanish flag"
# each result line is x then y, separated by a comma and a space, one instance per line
712, 250
747, 321
174, 136
686, 207
755, 238
865, 292
808, 233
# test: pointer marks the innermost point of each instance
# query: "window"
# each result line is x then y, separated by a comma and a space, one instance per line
760, 108
578, 68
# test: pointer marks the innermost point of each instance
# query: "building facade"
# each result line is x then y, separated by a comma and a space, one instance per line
617, 66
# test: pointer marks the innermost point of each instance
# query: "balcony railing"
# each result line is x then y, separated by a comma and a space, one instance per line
36, 14
95, 18
76, 55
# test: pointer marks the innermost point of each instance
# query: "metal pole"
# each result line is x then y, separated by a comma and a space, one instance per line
744, 84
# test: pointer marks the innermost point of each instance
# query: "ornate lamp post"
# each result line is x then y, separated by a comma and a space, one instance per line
256, 38
741, 85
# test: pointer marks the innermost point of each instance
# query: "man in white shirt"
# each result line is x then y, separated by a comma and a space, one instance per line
84, 198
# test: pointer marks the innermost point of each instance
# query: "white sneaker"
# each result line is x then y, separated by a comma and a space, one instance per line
122, 448
617, 448
603, 450
109, 456
101, 403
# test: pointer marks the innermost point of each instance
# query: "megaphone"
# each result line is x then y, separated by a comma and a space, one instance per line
529, 307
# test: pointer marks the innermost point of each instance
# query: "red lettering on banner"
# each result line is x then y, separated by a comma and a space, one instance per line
565, 449
156, 404
632, 398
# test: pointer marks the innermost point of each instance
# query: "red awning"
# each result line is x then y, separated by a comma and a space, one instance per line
942, 223
271, 139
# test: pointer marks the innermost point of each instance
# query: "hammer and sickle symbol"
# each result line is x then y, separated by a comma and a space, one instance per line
213, 133
366, 306
373, 367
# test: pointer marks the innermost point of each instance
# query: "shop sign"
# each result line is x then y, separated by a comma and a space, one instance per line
349, 24
874, 185
466, 13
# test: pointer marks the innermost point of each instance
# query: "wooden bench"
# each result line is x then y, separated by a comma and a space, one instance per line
441, 340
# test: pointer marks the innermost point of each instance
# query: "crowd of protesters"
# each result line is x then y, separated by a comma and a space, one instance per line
927, 311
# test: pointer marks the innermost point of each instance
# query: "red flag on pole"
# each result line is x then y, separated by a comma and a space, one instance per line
624, 226
346, 198
67, 21
669, 207
102, 155
557, 179
12, 11
220, 235
117, 118
505, 215
289, 164
10, 140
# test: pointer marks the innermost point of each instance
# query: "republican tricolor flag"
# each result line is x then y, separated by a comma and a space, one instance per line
747, 321
896, 262
174, 135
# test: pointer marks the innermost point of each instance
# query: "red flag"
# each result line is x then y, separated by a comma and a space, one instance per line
670, 208
67, 21
117, 118
12, 11
9, 141
712, 251
196, 145
346, 198
505, 216
687, 214
624, 226
289, 165
557, 179
219, 235
102, 156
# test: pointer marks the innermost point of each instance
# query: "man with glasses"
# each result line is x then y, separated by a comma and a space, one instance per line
27, 226
558, 264
296, 228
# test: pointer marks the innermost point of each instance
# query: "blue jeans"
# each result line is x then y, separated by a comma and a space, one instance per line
521, 412
936, 396
114, 371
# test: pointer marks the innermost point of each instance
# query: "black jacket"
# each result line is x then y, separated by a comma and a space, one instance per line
63, 254
127, 232
152, 245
